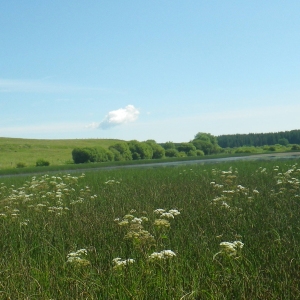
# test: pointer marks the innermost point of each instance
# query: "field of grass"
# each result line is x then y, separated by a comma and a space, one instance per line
218, 231
57, 152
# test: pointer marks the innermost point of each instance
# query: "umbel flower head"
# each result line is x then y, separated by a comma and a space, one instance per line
230, 248
120, 264
163, 255
76, 258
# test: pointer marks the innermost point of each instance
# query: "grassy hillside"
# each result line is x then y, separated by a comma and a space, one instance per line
57, 152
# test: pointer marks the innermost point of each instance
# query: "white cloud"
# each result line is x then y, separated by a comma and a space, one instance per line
92, 125
118, 117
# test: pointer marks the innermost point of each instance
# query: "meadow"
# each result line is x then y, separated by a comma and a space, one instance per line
57, 152
217, 231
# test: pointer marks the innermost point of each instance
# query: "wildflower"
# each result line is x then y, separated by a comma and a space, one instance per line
123, 222
120, 264
163, 255
174, 212
128, 217
137, 220
225, 205
24, 223
230, 248
162, 223
167, 215
159, 211
255, 192
75, 258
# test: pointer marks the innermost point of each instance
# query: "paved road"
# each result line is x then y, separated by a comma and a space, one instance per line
271, 156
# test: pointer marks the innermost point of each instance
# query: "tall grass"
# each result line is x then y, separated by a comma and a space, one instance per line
100, 236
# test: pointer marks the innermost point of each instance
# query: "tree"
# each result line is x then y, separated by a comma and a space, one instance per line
140, 150
186, 147
158, 151
206, 142
123, 149
168, 145
171, 153
206, 137
81, 155
283, 142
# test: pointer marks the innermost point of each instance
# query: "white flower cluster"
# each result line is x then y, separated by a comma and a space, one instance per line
119, 264
164, 216
76, 257
167, 214
230, 248
112, 181
165, 254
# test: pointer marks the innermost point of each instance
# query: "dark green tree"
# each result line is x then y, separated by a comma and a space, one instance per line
123, 149
140, 150
158, 150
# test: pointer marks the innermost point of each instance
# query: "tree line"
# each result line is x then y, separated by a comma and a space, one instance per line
259, 139
202, 144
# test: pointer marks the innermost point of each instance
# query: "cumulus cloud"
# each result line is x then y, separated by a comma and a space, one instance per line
119, 117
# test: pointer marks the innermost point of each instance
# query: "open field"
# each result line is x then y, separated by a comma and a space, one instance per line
232, 231
57, 152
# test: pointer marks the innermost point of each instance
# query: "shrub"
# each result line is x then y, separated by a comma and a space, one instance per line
199, 153
42, 163
295, 147
21, 165
123, 149
171, 153
81, 155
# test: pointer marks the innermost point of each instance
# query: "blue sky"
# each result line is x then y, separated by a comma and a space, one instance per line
161, 70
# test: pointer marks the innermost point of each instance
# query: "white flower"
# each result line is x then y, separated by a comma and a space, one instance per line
159, 211
167, 215
165, 254
174, 212
137, 220
230, 248
120, 264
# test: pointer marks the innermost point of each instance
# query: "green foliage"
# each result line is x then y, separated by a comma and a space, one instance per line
246, 150
295, 147
186, 147
169, 145
85, 155
158, 150
42, 163
171, 153
81, 155
259, 139
181, 154
123, 149
283, 141
207, 137
199, 153
140, 150
206, 142
104, 155
21, 165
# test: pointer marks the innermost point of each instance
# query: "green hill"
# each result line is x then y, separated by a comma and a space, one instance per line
57, 152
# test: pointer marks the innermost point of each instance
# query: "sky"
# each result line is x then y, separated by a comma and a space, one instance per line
162, 70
